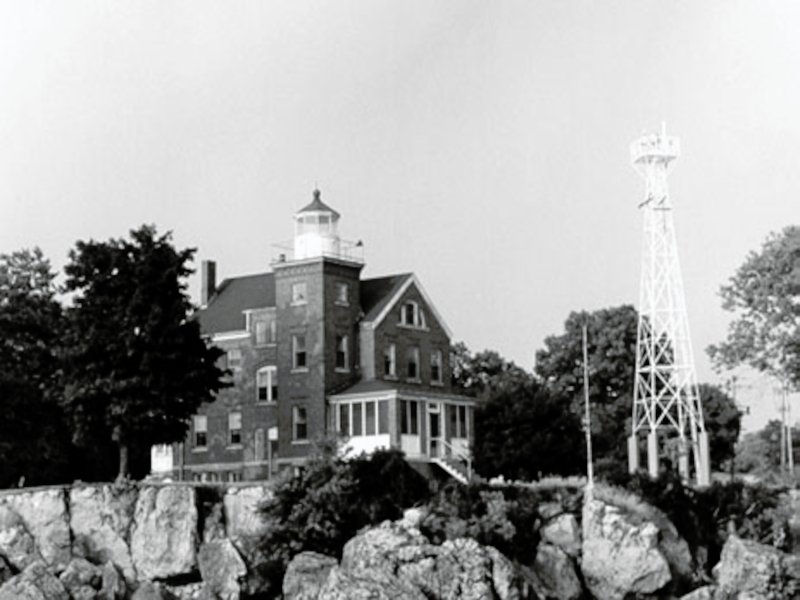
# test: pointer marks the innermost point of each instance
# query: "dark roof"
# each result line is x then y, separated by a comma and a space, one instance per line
225, 310
377, 293
233, 296
318, 205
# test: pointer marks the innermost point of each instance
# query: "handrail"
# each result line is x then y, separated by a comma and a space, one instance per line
455, 453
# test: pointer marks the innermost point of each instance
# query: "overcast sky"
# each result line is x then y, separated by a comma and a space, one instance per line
482, 145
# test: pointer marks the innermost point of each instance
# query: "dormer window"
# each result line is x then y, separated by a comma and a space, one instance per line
411, 315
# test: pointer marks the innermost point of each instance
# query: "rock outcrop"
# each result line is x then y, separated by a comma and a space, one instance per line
394, 561
555, 574
564, 532
222, 569
306, 574
101, 518
164, 535
619, 557
36, 582
748, 569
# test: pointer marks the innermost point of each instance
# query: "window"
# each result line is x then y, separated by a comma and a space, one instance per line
363, 418
411, 315
458, 421
369, 425
383, 416
200, 431
267, 384
234, 428
344, 419
342, 293
436, 366
299, 423
235, 359
265, 332
413, 363
389, 363
299, 293
408, 417
341, 353
299, 351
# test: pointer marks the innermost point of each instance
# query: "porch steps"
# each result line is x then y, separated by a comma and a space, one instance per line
452, 468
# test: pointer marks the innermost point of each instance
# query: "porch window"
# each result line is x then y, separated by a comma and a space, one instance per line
357, 423
408, 417
383, 416
344, 419
369, 426
458, 421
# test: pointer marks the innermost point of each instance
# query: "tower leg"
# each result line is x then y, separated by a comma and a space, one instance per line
704, 472
652, 453
633, 454
683, 459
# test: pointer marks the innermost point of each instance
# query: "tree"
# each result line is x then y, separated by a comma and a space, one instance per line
484, 373
764, 296
611, 344
523, 432
723, 422
33, 443
137, 367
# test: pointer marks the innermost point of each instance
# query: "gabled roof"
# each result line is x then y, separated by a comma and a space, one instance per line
378, 292
225, 310
378, 313
317, 205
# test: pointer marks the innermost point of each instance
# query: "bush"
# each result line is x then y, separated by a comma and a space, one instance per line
506, 517
330, 499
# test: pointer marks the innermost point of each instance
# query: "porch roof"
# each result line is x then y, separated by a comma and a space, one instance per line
383, 389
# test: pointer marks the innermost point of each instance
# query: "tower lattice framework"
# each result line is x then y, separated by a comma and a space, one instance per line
666, 403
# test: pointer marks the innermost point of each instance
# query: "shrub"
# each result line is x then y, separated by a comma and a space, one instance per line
330, 499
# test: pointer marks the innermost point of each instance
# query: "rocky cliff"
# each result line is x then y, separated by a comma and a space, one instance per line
132, 541
179, 541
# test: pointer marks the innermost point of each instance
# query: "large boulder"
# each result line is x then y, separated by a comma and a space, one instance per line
750, 569
101, 518
16, 543
82, 579
245, 526
305, 575
164, 536
555, 574
113, 587
620, 556
151, 591
222, 569
242, 516
459, 568
46, 516
380, 585
564, 532
34, 583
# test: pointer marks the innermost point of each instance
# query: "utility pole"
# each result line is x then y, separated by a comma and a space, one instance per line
665, 395
588, 416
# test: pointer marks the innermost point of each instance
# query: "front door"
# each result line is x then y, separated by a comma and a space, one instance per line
434, 429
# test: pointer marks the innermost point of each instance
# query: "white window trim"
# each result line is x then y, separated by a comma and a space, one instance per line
295, 422
418, 377
272, 375
295, 367
231, 444
196, 430
392, 348
440, 364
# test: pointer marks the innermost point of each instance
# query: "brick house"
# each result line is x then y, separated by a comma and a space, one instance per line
316, 350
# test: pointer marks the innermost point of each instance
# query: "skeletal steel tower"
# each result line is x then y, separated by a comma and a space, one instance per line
666, 403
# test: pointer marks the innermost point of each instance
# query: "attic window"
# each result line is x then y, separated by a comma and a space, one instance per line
411, 315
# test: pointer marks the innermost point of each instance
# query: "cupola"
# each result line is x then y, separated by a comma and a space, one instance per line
316, 230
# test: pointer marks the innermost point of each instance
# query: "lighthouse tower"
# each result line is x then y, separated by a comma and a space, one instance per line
316, 230
666, 403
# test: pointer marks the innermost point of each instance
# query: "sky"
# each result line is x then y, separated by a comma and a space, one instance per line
482, 145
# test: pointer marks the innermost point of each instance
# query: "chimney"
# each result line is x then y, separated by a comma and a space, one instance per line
208, 281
